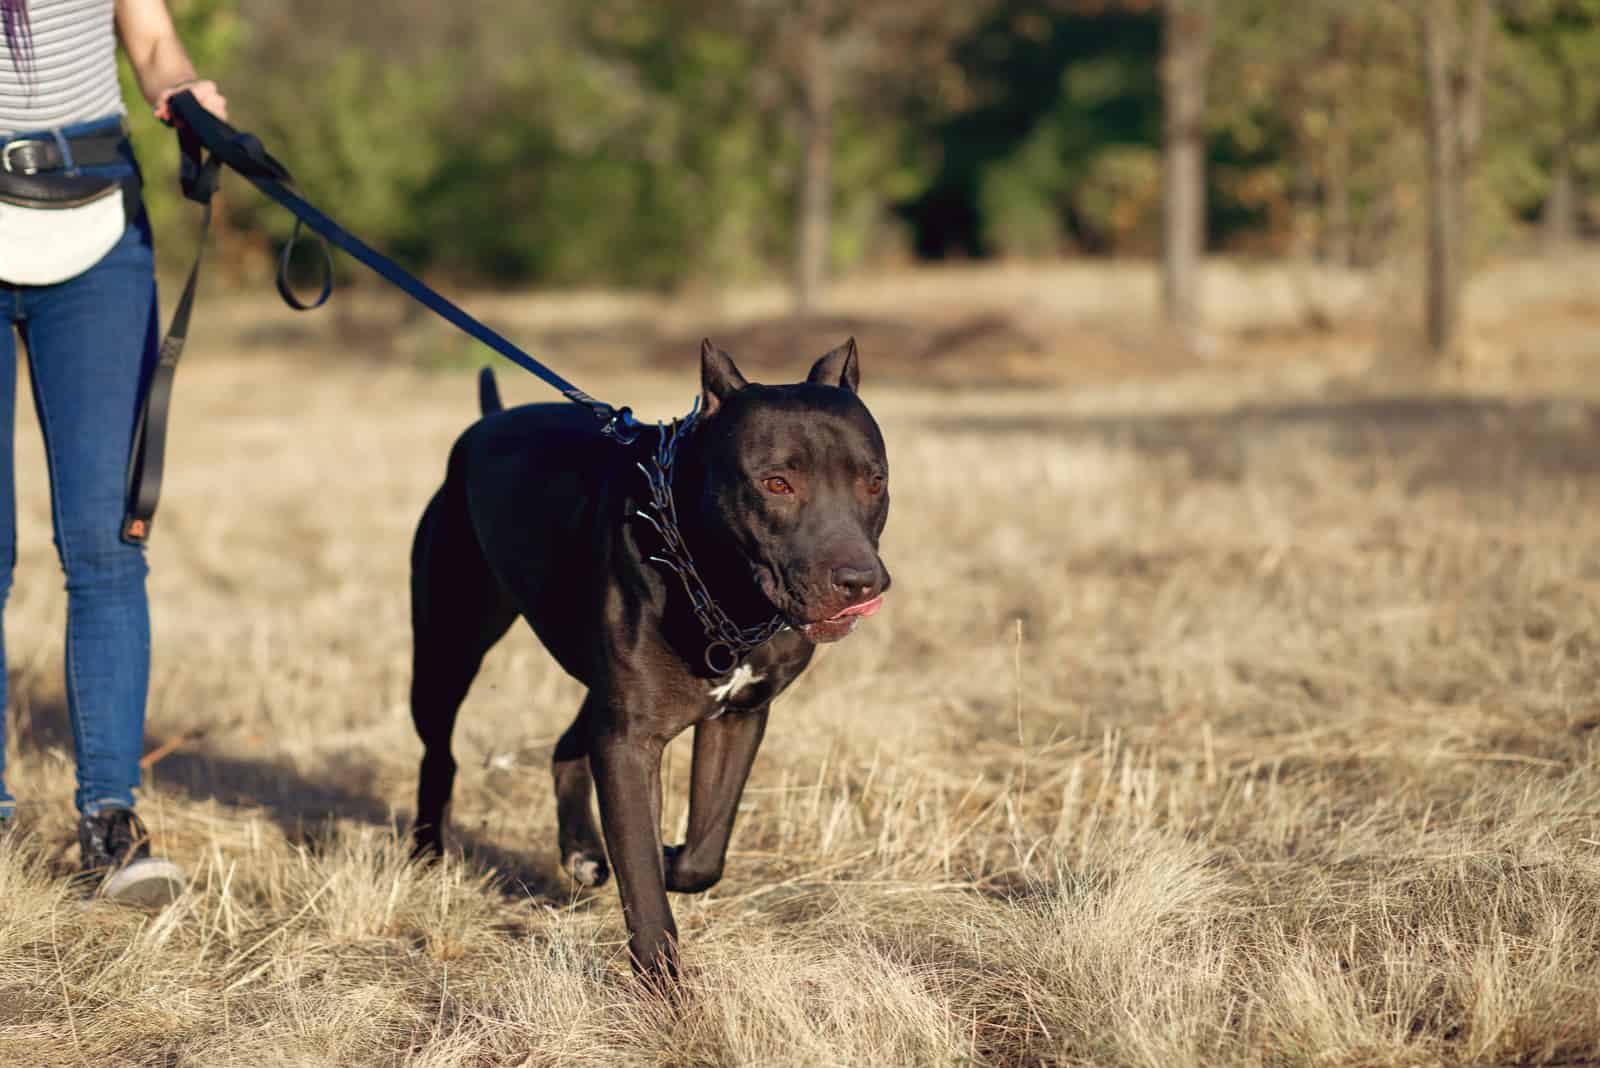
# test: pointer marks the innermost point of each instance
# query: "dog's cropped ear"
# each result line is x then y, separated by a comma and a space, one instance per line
838, 368
718, 377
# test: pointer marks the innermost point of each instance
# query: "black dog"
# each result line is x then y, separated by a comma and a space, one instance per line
684, 579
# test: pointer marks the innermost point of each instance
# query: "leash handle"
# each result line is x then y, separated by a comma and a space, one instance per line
148, 449
199, 176
286, 290
198, 131
198, 181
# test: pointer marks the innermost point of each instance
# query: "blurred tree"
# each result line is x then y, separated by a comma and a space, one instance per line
1187, 31
1307, 97
1454, 37
643, 142
1553, 78
884, 63
815, 72
630, 155
368, 111
1058, 144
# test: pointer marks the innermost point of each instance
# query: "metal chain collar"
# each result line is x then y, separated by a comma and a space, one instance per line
728, 643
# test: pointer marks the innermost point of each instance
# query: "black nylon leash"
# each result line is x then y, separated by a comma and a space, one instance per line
207, 143
147, 458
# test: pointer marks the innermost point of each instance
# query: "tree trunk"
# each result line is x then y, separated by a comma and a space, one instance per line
1338, 228
1185, 55
1303, 222
813, 210
1453, 78
1338, 247
1441, 286
1560, 222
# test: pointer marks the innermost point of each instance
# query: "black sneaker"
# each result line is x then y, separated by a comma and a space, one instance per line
115, 850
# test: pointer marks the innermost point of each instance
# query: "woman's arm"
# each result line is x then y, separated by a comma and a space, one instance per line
158, 58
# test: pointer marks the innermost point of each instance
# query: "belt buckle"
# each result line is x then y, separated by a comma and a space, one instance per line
11, 146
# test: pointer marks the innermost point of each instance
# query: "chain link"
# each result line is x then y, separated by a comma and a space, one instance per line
728, 643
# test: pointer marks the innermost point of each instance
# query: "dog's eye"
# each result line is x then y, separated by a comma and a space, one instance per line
778, 485
875, 484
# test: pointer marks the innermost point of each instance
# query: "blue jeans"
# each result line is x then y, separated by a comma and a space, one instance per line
91, 344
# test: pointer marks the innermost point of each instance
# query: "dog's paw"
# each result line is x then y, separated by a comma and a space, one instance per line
683, 877
427, 846
586, 868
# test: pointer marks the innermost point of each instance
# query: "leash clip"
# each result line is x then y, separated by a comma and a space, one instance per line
622, 427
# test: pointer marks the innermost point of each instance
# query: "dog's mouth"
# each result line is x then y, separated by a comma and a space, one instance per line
829, 629
842, 623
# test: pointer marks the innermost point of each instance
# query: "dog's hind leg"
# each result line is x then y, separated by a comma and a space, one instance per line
458, 611
582, 853
724, 750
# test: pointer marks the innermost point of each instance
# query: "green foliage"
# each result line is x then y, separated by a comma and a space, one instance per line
1120, 196
1022, 198
656, 143
1069, 110
1549, 97
1315, 106
875, 166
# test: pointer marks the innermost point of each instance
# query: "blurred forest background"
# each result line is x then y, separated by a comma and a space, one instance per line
673, 144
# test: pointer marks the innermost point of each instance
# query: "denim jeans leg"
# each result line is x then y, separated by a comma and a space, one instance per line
8, 507
91, 343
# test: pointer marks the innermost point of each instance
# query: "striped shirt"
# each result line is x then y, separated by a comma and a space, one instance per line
74, 74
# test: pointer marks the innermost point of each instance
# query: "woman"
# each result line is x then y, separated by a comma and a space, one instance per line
79, 290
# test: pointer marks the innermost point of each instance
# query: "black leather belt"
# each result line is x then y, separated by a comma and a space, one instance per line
35, 154
35, 171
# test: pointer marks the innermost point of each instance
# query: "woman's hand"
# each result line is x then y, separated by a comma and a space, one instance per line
159, 61
205, 93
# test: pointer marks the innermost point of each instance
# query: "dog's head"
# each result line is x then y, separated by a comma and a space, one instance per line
796, 484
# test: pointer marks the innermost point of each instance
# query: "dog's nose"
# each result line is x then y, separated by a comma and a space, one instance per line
856, 583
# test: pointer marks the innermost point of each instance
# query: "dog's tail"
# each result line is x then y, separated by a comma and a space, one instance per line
488, 392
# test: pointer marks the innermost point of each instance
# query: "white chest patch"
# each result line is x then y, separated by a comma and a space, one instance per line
743, 675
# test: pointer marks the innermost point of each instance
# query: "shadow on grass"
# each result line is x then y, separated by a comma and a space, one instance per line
306, 808
42, 722
1461, 442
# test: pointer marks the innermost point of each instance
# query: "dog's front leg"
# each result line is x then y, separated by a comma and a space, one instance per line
627, 776
724, 749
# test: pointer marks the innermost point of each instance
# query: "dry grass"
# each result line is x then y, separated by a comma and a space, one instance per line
1193, 734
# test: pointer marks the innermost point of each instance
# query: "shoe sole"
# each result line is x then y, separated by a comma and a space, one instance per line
148, 883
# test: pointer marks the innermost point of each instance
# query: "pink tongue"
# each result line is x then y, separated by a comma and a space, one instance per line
865, 608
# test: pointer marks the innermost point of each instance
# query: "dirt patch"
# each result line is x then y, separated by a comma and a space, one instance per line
978, 350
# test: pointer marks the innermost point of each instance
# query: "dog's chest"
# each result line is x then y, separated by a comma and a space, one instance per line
751, 684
